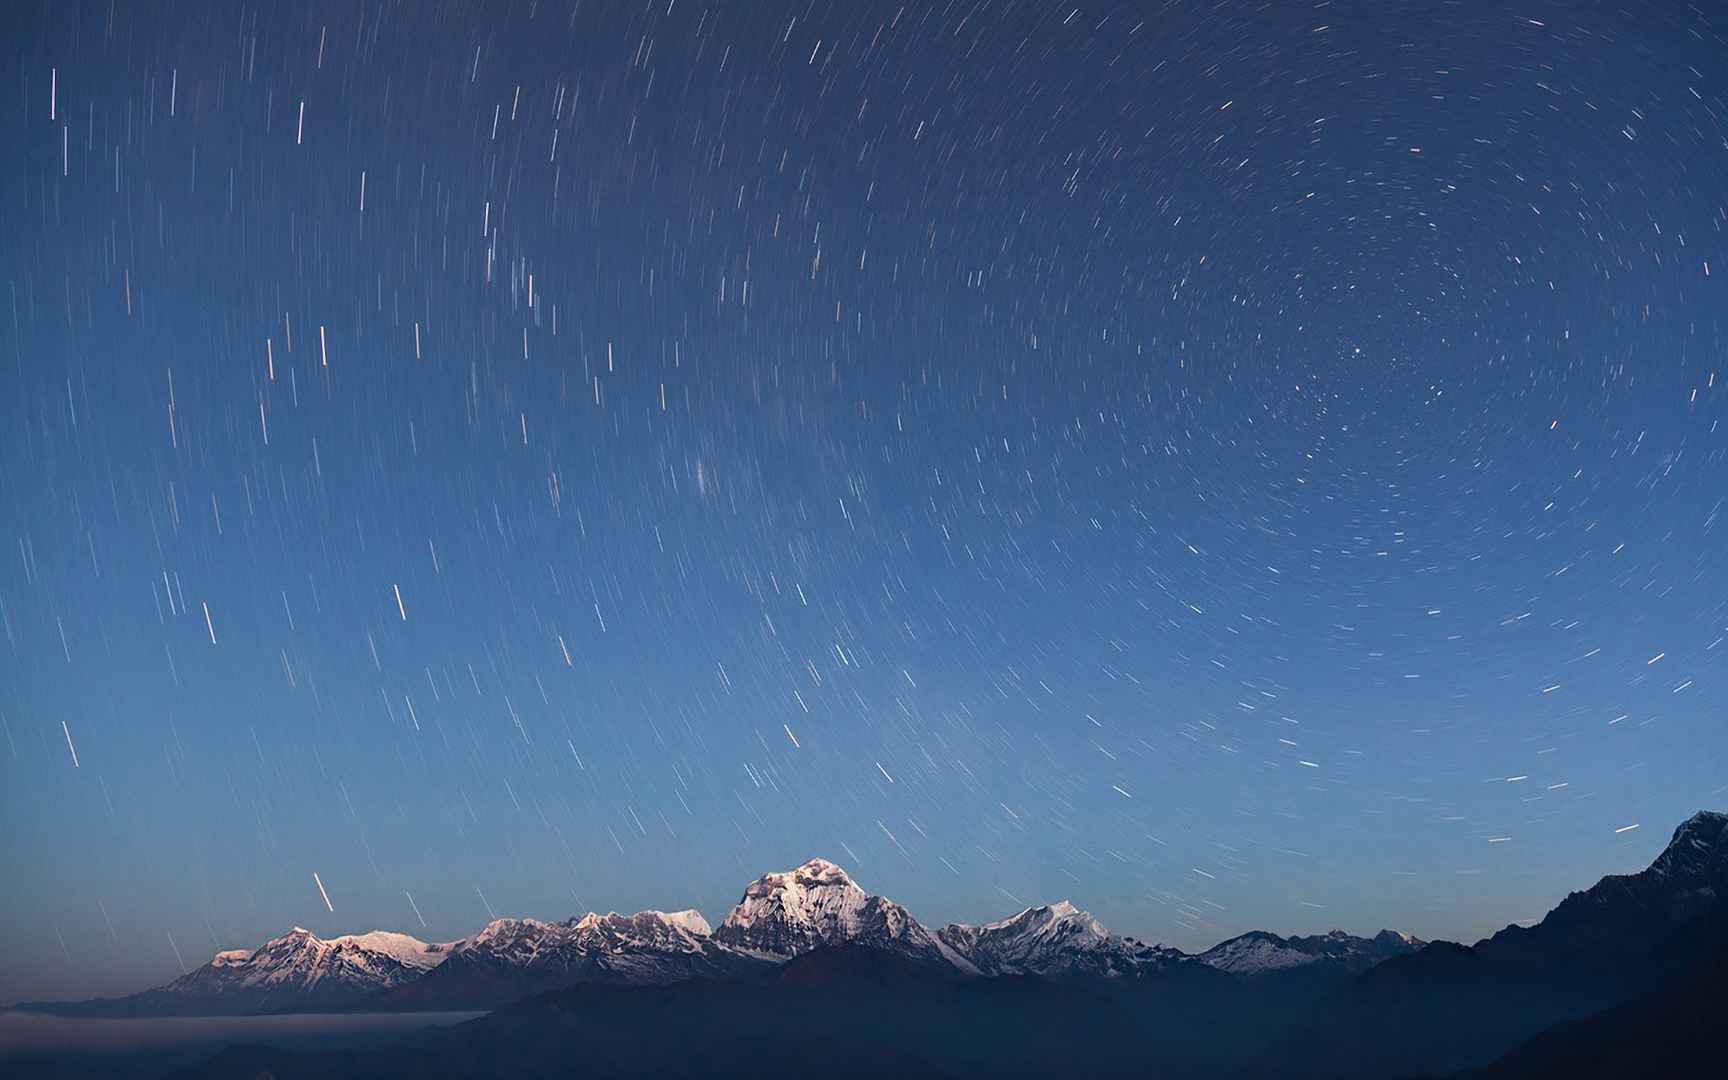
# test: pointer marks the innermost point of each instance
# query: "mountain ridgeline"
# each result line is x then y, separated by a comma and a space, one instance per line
781, 916
810, 973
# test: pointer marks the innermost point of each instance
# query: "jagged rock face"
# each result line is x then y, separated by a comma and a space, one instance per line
1260, 953
1057, 940
1689, 876
301, 962
817, 905
515, 958
297, 971
1256, 952
791, 912
678, 931
507, 941
647, 947
1697, 852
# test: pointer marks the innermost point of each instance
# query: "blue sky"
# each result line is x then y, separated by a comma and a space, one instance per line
1229, 468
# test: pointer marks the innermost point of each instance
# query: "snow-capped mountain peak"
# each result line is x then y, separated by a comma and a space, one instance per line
689, 919
1261, 953
683, 931
788, 913
689, 922
1688, 877
406, 950
297, 970
1058, 925
507, 927
1055, 940
531, 942
1698, 846
513, 958
1062, 916
302, 956
1255, 953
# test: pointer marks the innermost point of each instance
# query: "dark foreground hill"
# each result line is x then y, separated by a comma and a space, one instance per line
1675, 1030
834, 1012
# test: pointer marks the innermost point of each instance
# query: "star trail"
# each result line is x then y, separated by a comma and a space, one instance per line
1235, 465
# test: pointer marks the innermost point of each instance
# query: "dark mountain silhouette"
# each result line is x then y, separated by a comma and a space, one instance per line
1452, 1006
1675, 1030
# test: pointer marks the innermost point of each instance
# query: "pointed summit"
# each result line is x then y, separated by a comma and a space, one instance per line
1059, 920
1699, 845
788, 912
791, 912
1056, 940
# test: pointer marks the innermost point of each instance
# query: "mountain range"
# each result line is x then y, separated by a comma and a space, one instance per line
811, 973
782, 915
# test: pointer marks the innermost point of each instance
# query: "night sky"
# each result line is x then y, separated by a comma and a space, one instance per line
1230, 464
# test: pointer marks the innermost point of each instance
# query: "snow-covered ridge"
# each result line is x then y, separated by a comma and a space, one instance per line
408, 950
1260, 953
788, 913
295, 971
530, 942
689, 919
1254, 953
781, 915
301, 954
608, 930
1059, 939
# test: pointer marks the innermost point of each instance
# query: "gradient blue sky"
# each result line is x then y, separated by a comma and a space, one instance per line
1230, 465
